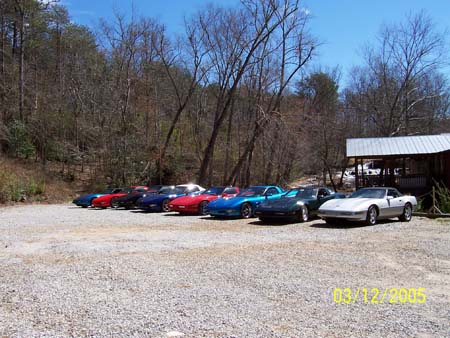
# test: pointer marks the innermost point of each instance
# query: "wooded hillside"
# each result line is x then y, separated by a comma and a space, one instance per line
230, 100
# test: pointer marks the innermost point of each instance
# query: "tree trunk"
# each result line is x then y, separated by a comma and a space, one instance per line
22, 67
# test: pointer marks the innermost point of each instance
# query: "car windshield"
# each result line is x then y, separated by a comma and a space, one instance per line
167, 191
213, 191
301, 193
368, 193
180, 190
129, 190
154, 188
252, 191
109, 191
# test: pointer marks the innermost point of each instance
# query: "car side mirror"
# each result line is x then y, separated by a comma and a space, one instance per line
389, 197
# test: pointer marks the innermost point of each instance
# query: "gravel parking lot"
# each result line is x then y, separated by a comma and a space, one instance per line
67, 271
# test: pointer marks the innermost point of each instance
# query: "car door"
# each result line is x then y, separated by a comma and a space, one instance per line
395, 202
272, 193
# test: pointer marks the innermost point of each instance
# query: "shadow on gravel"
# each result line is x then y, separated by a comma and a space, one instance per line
180, 214
273, 223
350, 225
343, 225
210, 218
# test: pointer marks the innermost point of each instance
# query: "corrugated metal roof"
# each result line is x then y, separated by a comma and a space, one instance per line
400, 145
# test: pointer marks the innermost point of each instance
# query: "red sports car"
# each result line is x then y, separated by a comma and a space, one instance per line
197, 203
105, 201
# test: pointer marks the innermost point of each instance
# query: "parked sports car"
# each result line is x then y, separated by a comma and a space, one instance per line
129, 201
369, 205
299, 204
86, 200
244, 204
105, 201
197, 203
160, 201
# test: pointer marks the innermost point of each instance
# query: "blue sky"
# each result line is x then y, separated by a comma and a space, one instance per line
342, 26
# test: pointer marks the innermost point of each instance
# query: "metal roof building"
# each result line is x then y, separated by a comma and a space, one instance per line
421, 160
395, 146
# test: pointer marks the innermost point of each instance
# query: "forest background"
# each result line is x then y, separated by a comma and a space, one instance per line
233, 99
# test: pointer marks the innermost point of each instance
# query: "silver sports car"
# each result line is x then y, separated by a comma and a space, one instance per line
369, 205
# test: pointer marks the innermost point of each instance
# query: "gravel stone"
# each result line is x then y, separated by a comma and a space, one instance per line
73, 272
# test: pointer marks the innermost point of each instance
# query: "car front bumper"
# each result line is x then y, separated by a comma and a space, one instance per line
275, 214
81, 203
224, 212
150, 207
184, 208
348, 215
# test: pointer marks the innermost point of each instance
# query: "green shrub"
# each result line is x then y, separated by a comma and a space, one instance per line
443, 197
20, 140
13, 189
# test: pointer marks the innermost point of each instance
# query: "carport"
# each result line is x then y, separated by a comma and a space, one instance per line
409, 163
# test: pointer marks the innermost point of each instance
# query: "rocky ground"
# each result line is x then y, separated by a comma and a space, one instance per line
67, 271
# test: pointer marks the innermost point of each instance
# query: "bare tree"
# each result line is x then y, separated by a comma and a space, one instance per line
390, 85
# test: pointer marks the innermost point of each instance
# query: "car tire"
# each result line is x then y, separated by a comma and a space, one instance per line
407, 213
372, 214
114, 204
165, 205
202, 208
246, 210
303, 214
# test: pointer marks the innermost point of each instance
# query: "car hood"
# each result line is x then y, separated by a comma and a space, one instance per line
348, 203
284, 202
233, 201
89, 197
190, 200
131, 196
109, 196
158, 198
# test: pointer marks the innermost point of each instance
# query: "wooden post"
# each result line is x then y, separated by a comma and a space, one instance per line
356, 174
362, 173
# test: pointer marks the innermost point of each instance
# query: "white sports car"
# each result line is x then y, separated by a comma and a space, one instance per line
369, 205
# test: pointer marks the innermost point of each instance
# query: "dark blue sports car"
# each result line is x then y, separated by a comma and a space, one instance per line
244, 204
86, 200
160, 201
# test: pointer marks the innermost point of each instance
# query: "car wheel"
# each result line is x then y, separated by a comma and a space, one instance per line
246, 210
114, 203
202, 208
372, 215
165, 205
303, 214
407, 213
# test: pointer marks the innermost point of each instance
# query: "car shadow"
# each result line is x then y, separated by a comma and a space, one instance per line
211, 218
340, 225
177, 214
349, 225
274, 222
138, 211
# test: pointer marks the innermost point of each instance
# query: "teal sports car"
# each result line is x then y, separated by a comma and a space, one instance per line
244, 204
